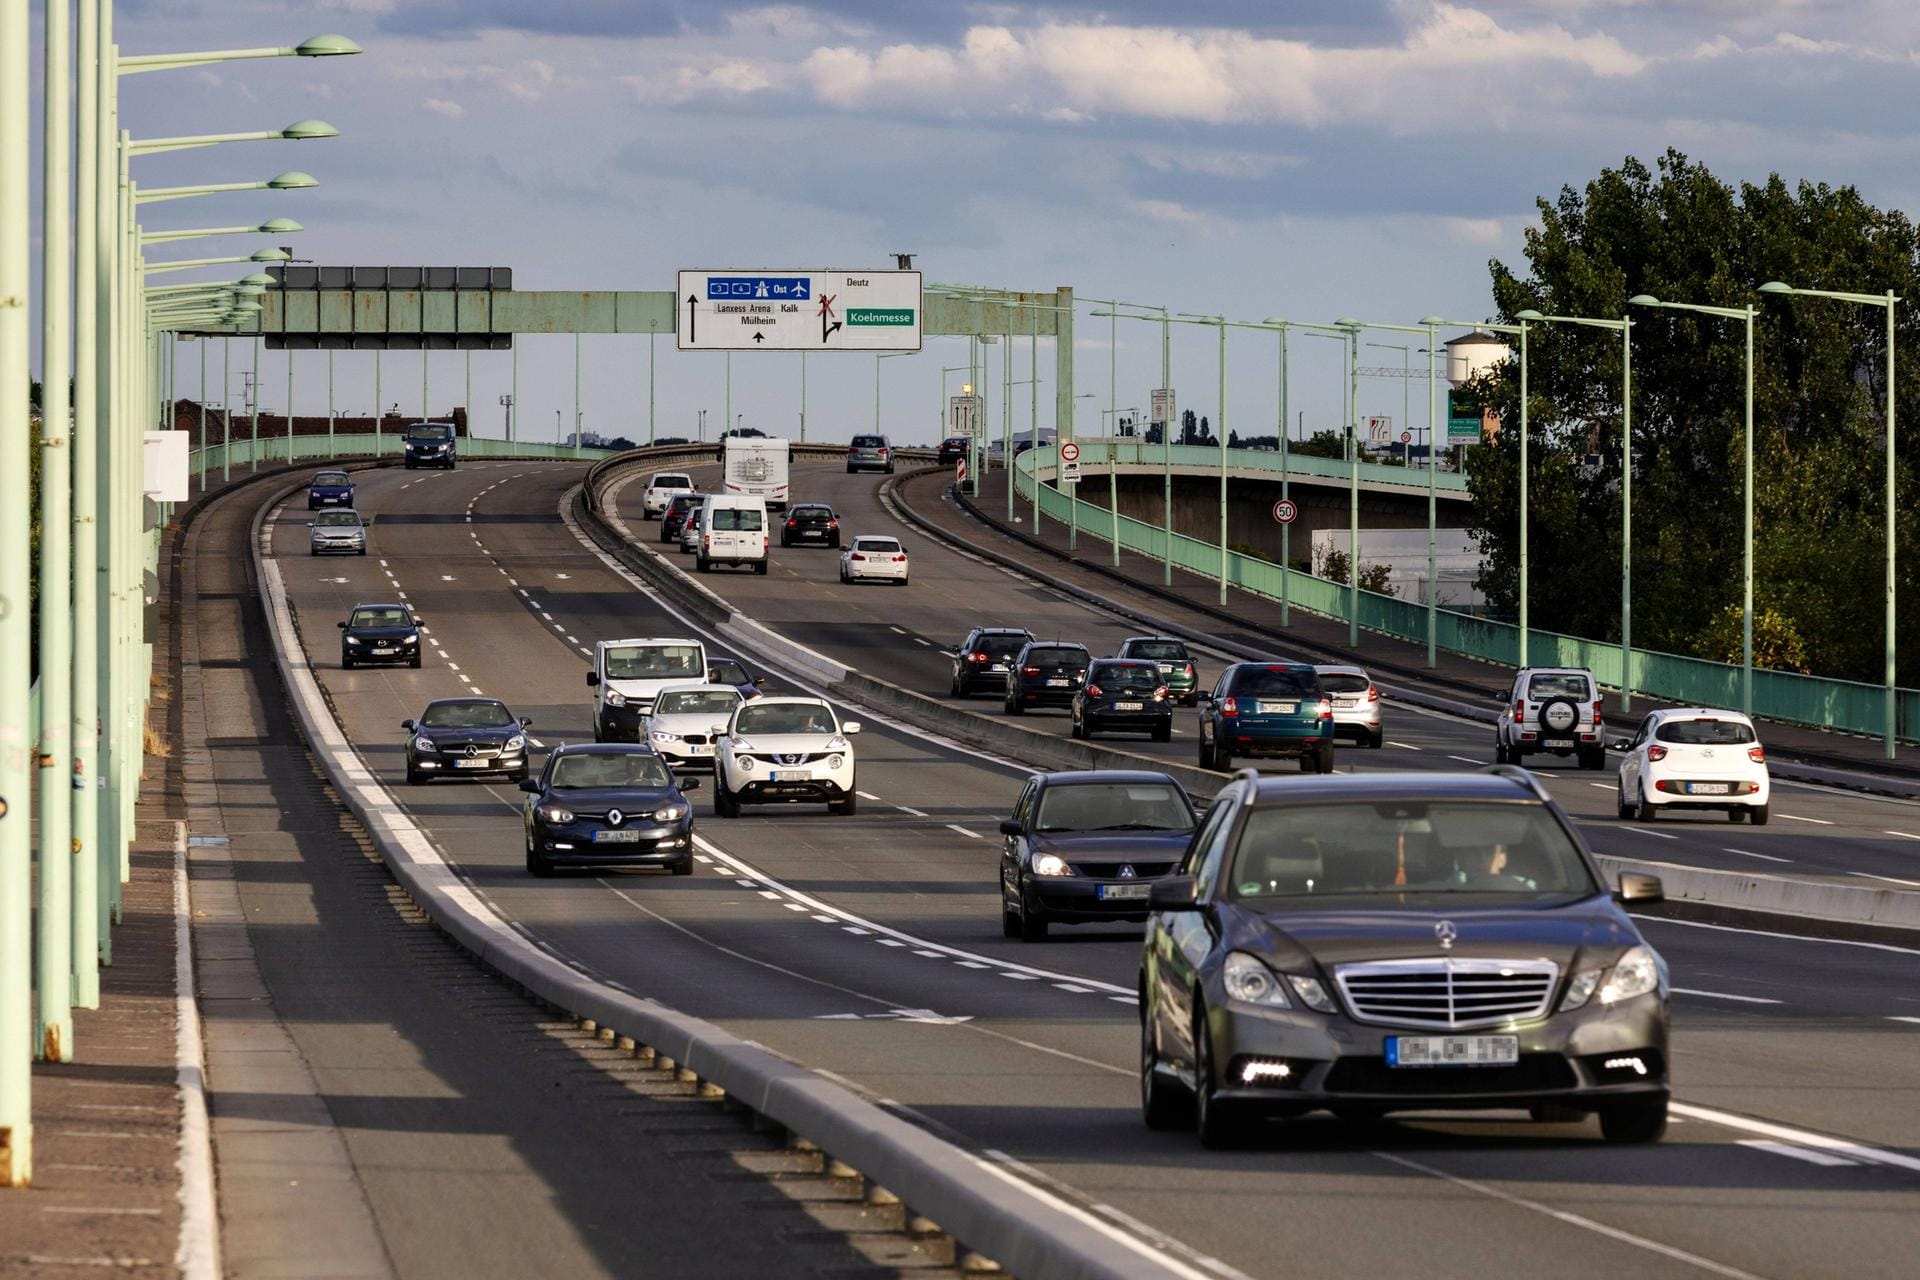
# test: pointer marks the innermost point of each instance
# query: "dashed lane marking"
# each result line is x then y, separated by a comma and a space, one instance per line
971, 835
1787, 1149
1748, 853
1794, 817
918, 813
1404, 746
867, 796
1466, 759
1722, 995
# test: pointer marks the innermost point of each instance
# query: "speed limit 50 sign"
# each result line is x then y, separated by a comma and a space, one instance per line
1285, 512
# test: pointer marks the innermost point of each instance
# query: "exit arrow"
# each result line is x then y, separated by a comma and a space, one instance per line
690, 301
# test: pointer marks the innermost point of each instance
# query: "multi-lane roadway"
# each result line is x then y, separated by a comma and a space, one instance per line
869, 947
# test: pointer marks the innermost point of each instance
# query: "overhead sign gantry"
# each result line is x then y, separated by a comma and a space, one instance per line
798, 310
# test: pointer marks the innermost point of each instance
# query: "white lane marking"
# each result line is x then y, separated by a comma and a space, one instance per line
1904, 835
383, 564
452, 666
541, 746
896, 630
1769, 933
865, 796
918, 813
918, 640
826, 920
1859, 1151
971, 835
1764, 857
793, 906
931, 955
447, 577
769, 894
1868, 875
1019, 977
1792, 1152
1605, 786
972, 964
889, 942
1466, 759
1404, 746
1068, 986
1721, 995
1900, 1017
1571, 1219
1125, 999
856, 930
573, 640
1794, 817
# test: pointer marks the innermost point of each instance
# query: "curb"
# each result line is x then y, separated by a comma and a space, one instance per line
1034, 1235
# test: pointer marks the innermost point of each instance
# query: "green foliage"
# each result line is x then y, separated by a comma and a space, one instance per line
1375, 578
1321, 444
1776, 642
1679, 233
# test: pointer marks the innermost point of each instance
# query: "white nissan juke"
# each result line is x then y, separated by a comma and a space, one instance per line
784, 751
1694, 758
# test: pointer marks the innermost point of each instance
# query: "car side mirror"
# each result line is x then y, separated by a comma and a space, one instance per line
341, 625
759, 682
689, 784
407, 724
1644, 889
593, 679
1175, 893
530, 785
1203, 697
850, 727
526, 722
1621, 744
1011, 827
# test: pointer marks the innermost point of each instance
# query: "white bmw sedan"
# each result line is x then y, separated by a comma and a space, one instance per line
882, 559
1694, 758
785, 751
686, 721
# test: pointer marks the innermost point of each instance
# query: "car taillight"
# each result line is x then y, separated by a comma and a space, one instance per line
1229, 706
1326, 709
857, 556
1373, 694
1189, 671
706, 540
899, 559
1029, 671
1519, 711
1160, 694
976, 657
1656, 753
793, 524
884, 452
1757, 754
1093, 691
833, 524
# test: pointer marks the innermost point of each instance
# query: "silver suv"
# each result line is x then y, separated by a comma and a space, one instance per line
1554, 710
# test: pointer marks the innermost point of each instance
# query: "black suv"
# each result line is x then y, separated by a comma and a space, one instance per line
810, 522
1046, 673
430, 444
952, 449
675, 516
375, 634
869, 453
1404, 941
981, 660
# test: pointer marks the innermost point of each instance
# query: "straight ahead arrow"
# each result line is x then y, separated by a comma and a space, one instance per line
690, 332
759, 337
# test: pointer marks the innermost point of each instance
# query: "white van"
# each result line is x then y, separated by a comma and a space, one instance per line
733, 530
756, 467
628, 674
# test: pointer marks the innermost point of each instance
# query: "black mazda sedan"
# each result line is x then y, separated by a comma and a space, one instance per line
1086, 847
1368, 943
380, 633
466, 736
608, 805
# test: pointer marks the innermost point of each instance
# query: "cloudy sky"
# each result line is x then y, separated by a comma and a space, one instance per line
1310, 158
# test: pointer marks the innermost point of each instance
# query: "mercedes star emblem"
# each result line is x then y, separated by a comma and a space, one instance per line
472, 750
1446, 932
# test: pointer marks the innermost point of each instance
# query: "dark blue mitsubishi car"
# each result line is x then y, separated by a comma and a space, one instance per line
329, 489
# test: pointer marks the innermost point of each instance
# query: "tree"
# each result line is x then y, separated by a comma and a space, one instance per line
1321, 444
1678, 232
1189, 421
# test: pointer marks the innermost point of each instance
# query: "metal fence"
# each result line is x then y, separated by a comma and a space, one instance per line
361, 444
1845, 705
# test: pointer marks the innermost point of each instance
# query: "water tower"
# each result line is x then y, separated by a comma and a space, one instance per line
1472, 354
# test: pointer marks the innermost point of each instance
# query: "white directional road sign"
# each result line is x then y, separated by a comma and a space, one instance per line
964, 413
1162, 410
1379, 430
798, 310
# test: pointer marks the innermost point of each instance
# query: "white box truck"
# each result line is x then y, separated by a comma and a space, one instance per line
756, 467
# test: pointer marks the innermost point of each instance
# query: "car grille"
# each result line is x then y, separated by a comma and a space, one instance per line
1534, 1073
784, 760
1111, 870
694, 739
1448, 993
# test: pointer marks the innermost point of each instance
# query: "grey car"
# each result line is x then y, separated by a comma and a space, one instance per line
1369, 943
337, 532
870, 453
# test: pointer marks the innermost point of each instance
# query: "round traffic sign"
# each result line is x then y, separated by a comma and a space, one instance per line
1285, 511
1069, 452
1406, 437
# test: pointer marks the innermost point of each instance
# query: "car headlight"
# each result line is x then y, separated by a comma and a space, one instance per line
424, 744
409, 639
1635, 973
353, 639
1248, 979
834, 762
1051, 864
553, 813
739, 744
615, 698
838, 743
1312, 994
745, 762
661, 735
670, 813
516, 743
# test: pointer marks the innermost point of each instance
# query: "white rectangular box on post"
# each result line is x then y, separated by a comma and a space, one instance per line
166, 465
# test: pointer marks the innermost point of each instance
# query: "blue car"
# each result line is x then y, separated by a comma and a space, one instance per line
731, 671
1270, 709
329, 489
608, 805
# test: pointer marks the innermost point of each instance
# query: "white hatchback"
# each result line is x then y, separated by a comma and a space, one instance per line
785, 751
660, 490
868, 557
686, 721
1694, 758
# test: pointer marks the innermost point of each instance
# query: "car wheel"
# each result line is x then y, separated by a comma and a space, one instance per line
1645, 810
1323, 759
1634, 1122
760, 567
414, 662
1222, 756
1033, 928
1013, 706
1736, 813
1214, 1122
1206, 754
1377, 739
1500, 752
724, 805
346, 663
850, 470
1009, 921
1593, 761
1077, 729
415, 777
900, 581
537, 865
1163, 732
703, 564
953, 686
1162, 1104
684, 867
1757, 815
1625, 810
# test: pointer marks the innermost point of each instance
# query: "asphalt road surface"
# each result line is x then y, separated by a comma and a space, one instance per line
869, 947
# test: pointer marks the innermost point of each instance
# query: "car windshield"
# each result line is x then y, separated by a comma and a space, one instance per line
1112, 806
331, 479
880, 546
327, 519
785, 717
1116, 675
1405, 850
467, 715
1274, 682
387, 616
682, 503
693, 702
1704, 732
1055, 657
671, 481
813, 513
727, 671
1158, 650
609, 769
1568, 685
430, 431
1000, 648
869, 442
748, 519
1344, 682
654, 662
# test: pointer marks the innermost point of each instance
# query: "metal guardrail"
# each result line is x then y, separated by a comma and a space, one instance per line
1820, 701
360, 444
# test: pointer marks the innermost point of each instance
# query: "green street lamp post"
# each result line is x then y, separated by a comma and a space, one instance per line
327, 46
260, 255
1889, 300
271, 227
1624, 327
1220, 429
1744, 314
298, 131
292, 180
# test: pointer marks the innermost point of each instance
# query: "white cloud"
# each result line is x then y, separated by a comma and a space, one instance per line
444, 107
1167, 211
733, 77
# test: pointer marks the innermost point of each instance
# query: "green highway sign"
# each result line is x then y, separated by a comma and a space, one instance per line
879, 315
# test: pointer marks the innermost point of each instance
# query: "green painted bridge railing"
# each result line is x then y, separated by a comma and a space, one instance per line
360, 444
1189, 459
1846, 705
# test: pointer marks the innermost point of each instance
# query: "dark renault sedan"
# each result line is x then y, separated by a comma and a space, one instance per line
377, 634
1382, 942
1123, 696
1085, 847
466, 736
608, 805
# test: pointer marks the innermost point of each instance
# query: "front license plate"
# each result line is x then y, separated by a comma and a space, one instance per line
384, 653
1058, 684
616, 837
1556, 742
1110, 892
471, 764
702, 748
1129, 706
1453, 1051
1708, 788
792, 775
1278, 708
